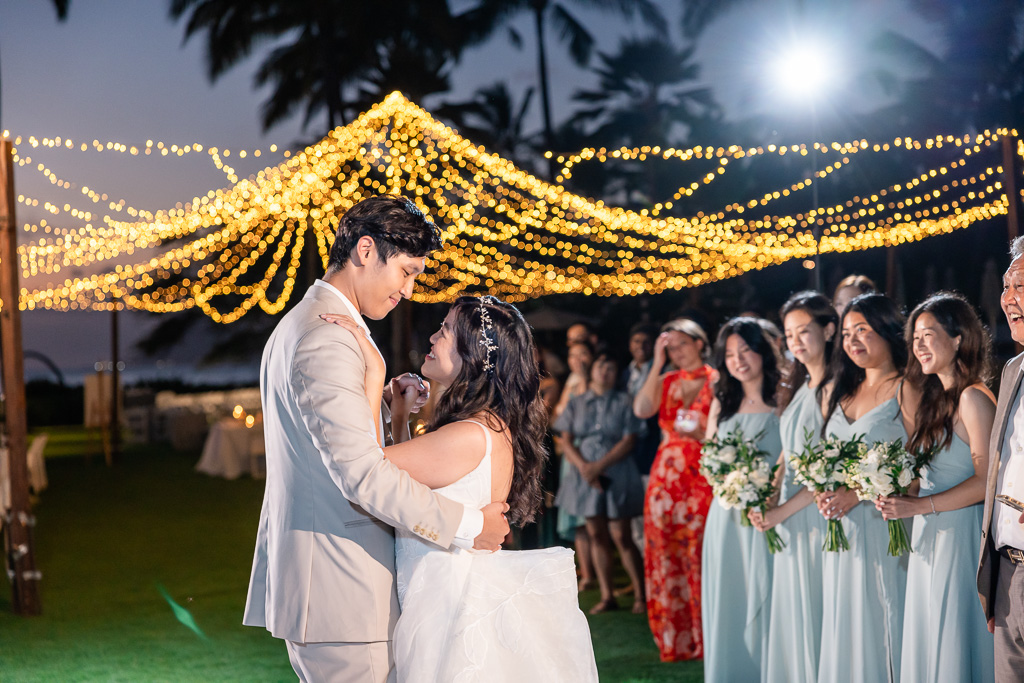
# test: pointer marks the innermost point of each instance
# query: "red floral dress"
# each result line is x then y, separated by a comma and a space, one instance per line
674, 512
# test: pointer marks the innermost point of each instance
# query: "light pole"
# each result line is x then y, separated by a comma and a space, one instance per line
803, 73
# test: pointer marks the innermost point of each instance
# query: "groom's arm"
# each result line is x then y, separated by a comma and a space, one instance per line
328, 380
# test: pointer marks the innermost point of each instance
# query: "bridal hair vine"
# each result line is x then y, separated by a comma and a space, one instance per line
486, 334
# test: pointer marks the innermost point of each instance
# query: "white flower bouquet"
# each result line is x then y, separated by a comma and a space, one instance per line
887, 469
822, 467
740, 476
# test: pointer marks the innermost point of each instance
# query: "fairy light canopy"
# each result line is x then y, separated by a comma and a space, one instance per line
506, 232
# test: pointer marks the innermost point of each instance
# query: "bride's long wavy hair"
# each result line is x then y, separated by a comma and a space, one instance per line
509, 392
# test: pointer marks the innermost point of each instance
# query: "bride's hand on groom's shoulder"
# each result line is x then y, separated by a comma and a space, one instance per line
372, 357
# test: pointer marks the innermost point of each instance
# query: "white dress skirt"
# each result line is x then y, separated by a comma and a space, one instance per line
509, 616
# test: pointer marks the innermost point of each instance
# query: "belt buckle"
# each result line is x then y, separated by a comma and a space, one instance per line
1016, 556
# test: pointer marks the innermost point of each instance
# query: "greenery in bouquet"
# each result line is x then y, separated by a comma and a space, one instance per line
821, 467
741, 477
887, 469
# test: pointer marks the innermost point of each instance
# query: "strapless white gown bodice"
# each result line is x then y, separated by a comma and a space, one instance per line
470, 616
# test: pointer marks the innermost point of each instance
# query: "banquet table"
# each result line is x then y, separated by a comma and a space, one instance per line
233, 449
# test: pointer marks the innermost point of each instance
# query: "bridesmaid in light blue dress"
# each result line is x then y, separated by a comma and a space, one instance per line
794, 632
945, 637
736, 567
863, 588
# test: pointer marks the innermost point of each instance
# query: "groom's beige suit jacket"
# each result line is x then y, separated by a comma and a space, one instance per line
324, 567
988, 562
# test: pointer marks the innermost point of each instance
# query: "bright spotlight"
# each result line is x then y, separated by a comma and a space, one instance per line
803, 71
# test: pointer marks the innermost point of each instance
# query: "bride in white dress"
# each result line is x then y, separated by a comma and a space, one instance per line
467, 616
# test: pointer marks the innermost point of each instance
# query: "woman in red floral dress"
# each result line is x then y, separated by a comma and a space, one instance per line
678, 496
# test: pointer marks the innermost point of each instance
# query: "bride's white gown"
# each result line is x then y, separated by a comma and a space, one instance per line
508, 616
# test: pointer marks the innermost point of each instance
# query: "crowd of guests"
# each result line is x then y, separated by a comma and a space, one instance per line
846, 366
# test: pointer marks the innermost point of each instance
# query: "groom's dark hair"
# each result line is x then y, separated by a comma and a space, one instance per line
394, 223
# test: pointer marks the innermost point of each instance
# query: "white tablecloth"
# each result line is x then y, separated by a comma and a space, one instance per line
232, 449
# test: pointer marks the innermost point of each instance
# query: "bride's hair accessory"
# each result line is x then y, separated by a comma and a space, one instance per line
487, 334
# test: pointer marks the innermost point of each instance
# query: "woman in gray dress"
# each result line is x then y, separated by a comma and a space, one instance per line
598, 432
736, 567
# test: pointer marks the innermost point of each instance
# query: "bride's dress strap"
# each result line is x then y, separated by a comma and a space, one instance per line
487, 434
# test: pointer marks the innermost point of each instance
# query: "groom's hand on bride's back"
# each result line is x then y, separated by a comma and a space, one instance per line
495, 527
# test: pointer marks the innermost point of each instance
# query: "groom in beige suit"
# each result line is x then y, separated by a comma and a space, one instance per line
323, 576
1001, 565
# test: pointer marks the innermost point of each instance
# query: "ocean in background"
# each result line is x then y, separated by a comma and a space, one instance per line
226, 375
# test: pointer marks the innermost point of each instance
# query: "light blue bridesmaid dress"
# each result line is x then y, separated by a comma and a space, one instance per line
945, 637
794, 632
736, 576
863, 588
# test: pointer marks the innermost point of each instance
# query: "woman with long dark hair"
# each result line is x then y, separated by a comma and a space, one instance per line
945, 635
863, 587
507, 616
794, 633
736, 567
677, 499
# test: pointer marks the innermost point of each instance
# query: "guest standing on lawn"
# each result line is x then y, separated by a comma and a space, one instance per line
678, 496
736, 566
602, 485
794, 632
571, 527
945, 637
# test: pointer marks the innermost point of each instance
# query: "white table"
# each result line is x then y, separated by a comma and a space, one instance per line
233, 449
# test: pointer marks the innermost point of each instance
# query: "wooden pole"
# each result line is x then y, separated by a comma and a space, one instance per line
1010, 184
19, 545
115, 414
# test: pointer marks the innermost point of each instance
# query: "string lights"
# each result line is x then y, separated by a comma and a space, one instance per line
507, 232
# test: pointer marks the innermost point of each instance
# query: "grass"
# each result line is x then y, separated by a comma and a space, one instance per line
107, 539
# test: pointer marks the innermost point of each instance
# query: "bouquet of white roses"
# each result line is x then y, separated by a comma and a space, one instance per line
886, 469
822, 467
741, 477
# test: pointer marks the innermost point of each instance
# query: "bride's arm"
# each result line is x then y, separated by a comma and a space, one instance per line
375, 370
441, 457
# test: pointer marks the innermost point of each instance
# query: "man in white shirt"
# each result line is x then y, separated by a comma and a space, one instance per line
1001, 565
323, 576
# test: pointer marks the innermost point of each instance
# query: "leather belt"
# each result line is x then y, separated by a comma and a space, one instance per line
1014, 555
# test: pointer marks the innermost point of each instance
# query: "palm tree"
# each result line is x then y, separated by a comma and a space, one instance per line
648, 95
327, 51
482, 21
979, 81
493, 119
648, 89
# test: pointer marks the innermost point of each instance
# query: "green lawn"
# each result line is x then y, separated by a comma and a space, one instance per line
108, 539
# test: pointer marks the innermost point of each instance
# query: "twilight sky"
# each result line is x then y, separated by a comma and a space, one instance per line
117, 70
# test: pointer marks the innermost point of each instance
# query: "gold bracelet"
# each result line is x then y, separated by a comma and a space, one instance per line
931, 499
